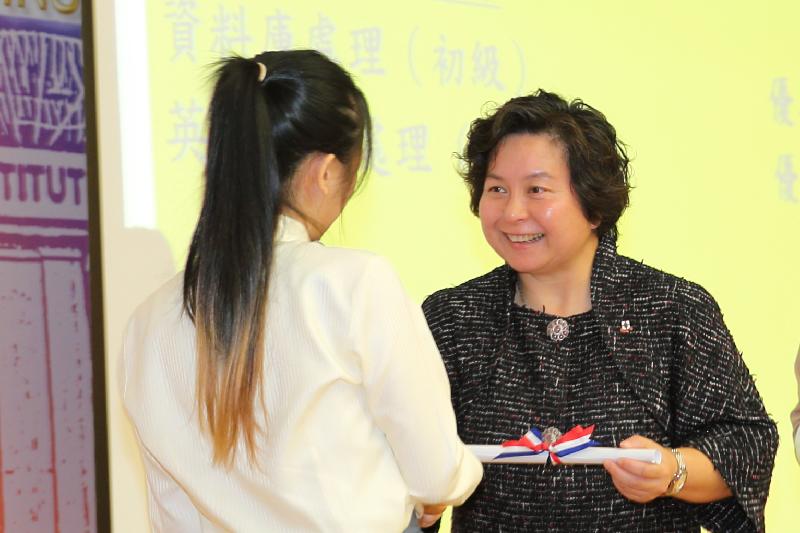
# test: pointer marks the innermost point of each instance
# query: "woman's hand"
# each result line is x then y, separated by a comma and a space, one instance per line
431, 514
643, 482
639, 481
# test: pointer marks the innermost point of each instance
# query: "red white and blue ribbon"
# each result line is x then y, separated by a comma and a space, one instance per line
576, 439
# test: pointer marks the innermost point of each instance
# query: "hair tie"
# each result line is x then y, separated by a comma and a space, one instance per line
262, 72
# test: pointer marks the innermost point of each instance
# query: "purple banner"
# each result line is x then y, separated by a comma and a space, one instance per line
41, 85
42, 121
47, 474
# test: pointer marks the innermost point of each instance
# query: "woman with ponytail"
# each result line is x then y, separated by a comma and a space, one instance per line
278, 384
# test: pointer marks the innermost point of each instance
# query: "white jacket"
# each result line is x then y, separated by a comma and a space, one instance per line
358, 423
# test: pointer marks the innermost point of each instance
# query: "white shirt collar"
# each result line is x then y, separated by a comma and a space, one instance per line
290, 229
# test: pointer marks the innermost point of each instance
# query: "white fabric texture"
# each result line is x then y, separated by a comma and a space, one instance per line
358, 423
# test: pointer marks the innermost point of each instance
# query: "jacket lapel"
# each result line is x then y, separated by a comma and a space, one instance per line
626, 334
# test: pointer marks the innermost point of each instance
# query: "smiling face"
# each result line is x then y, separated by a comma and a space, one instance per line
529, 212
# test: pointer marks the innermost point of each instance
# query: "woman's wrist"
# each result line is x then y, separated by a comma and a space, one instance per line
681, 473
703, 483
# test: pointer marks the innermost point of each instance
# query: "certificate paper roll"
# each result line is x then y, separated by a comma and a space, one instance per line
595, 455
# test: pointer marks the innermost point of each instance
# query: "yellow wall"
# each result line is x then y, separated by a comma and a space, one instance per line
700, 91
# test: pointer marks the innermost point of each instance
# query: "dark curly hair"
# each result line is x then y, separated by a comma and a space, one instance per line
598, 164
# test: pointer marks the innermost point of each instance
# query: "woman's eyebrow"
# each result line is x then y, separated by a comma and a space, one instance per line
534, 174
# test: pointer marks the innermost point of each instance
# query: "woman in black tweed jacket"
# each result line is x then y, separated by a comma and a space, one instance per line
642, 354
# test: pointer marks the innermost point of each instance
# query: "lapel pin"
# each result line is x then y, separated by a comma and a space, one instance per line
625, 327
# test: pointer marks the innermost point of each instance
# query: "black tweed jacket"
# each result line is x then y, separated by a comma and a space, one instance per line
679, 359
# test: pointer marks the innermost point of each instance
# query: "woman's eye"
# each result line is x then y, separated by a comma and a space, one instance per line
536, 189
495, 188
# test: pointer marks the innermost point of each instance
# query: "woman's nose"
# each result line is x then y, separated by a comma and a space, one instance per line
515, 208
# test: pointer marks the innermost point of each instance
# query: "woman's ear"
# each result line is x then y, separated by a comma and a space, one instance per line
315, 177
327, 173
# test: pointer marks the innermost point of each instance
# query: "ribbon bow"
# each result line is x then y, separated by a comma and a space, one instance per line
574, 440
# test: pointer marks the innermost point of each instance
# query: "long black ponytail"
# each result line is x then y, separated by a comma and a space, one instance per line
259, 131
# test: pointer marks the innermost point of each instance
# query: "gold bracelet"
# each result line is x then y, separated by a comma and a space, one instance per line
678, 480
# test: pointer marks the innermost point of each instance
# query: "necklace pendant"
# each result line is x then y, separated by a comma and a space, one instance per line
558, 329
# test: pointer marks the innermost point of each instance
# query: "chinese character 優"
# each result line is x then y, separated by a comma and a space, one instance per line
413, 143
786, 177
781, 100
366, 46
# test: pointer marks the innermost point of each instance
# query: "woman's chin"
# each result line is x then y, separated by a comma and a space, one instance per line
524, 267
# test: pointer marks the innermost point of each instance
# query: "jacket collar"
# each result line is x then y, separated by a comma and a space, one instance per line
289, 229
604, 272
602, 284
612, 303
625, 330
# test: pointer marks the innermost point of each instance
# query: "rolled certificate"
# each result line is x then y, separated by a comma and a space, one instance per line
494, 453
595, 455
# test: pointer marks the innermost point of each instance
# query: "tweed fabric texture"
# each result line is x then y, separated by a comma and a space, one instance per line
676, 378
